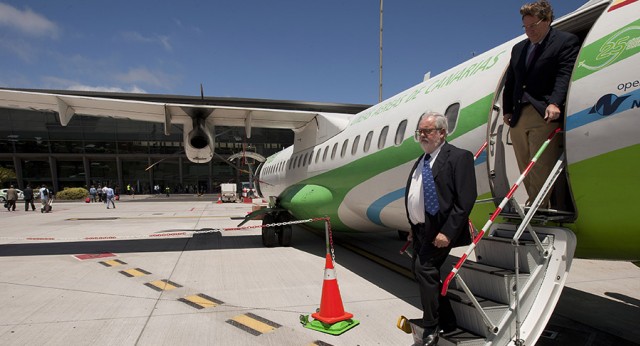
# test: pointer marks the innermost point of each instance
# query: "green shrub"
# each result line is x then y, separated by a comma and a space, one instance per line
72, 193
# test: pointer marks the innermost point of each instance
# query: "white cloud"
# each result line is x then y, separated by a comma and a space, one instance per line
134, 36
133, 89
27, 22
145, 76
66, 84
21, 49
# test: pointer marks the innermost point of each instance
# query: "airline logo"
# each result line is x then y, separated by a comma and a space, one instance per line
606, 106
620, 3
608, 50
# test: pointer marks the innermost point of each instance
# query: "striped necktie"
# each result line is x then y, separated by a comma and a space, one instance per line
429, 188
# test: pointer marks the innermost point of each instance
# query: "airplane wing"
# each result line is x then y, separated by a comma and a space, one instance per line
198, 121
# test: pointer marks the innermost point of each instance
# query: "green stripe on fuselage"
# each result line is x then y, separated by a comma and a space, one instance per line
605, 189
323, 194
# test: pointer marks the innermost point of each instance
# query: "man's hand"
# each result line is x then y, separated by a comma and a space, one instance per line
441, 241
551, 113
410, 236
506, 118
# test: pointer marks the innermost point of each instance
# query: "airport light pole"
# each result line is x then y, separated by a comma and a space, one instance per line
380, 77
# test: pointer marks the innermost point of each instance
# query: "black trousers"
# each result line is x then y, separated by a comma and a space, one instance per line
26, 204
427, 261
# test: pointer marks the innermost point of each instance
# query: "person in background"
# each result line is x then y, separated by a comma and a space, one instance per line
100, 193
92, 193
28, 198
110, 196
439, 196
44, 196
12, 197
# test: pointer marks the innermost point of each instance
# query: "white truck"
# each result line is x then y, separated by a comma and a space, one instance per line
228, 192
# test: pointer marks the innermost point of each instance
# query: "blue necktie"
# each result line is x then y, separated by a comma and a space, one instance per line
429, 188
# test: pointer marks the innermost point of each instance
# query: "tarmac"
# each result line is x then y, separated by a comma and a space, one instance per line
176, 270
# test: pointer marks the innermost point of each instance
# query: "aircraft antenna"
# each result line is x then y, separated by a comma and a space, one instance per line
380, 78
201, 92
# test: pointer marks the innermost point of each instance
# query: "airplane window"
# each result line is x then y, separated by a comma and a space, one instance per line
367, 141
334, 150
290, 163
324, 156
310, 158
452, 116
383, 137
400, 132
354, 147
344, 147
318, 155
295, 162
303, 160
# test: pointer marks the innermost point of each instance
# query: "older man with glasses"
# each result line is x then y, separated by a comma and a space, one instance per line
440, 193
535, 92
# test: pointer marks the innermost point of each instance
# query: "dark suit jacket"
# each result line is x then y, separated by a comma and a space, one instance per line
546, 80
455, 179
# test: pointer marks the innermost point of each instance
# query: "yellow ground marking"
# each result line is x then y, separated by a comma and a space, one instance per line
135, 272
251, 321
113, 263
201, 301
163, 285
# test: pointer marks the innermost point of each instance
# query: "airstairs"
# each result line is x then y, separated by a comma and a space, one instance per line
508, 293
513, 285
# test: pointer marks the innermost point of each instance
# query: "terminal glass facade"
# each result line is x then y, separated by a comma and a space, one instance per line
100, 150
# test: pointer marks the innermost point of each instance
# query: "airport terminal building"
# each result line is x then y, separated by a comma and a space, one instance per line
99, 150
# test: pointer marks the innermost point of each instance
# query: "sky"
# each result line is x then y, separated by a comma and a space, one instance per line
298, 50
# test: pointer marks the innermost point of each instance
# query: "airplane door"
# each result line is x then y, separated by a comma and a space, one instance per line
501, 161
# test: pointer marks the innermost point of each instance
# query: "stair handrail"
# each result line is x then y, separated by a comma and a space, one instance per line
505, 200
525, 224
485, 317
553, 176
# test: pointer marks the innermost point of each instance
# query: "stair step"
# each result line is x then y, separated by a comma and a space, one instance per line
457, 337
469, 318
461, 337
490, 282
497, 250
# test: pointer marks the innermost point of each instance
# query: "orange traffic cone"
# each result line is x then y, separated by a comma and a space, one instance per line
219, 200
331, 308
331, 318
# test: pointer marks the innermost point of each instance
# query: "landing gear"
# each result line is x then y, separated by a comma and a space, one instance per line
284, 232
276, 235
269, 233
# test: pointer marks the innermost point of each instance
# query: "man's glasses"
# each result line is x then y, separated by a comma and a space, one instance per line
425, 132
532, 26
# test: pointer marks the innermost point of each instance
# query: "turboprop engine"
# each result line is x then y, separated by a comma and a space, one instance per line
199, 142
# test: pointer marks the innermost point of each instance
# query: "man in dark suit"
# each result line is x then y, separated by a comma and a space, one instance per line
440, 193
535, 91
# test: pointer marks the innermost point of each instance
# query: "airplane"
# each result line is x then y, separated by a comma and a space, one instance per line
351, 168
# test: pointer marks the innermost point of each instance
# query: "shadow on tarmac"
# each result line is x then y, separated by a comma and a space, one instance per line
206, 241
